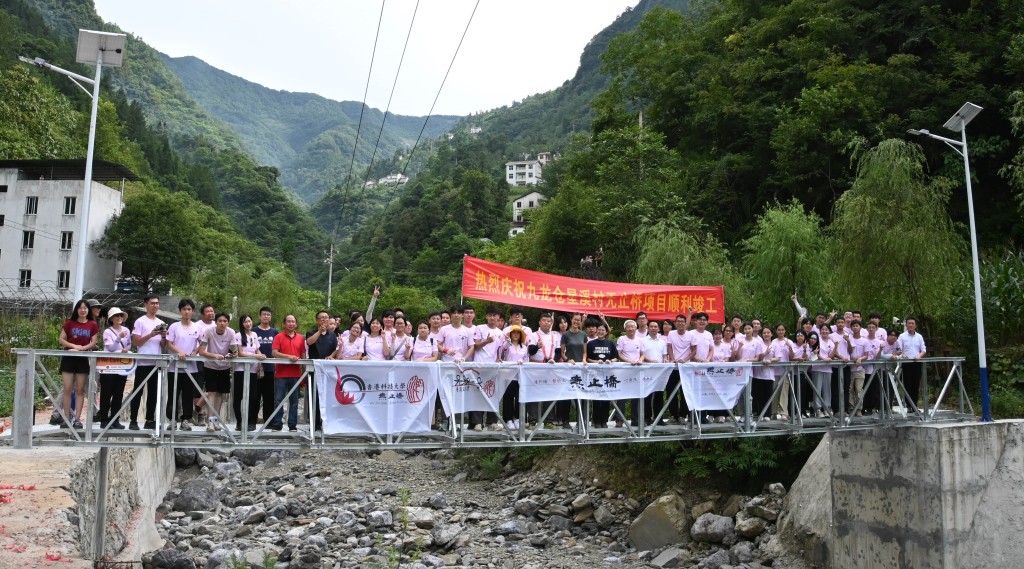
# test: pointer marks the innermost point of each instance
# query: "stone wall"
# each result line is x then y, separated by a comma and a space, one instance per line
137, 480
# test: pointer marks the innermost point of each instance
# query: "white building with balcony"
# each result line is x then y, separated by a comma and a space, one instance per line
523, 172
521, 204
40, 205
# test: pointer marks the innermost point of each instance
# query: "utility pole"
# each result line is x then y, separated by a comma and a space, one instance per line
330, 273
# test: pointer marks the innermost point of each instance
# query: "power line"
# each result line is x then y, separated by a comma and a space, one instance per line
362, 109
438, 96
390, 96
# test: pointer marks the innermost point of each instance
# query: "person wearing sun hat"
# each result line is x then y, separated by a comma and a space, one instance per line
116, 339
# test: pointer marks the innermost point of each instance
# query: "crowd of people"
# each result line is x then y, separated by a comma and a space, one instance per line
837, 349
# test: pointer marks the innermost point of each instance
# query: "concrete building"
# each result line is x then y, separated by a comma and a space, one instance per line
40, 205
523, 172
519, 205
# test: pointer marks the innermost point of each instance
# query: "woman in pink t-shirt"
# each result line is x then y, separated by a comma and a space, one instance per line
781, 351
422, 348
375, 349
249, 347
752, 349
515, 350
78, 334
350, 346
400, 342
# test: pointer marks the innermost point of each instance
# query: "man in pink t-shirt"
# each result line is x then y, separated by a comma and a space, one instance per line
699, 339
456, 341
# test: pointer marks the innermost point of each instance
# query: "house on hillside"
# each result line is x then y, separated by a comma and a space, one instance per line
519, 205
41, 202
524, 172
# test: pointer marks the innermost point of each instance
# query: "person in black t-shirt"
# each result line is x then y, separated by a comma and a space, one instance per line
264, 392
601, 350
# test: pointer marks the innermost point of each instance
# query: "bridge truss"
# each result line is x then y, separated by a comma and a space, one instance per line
37, 376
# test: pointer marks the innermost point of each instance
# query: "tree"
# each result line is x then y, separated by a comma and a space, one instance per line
897, 248
156, 237
788, 252
669, 254
35, 120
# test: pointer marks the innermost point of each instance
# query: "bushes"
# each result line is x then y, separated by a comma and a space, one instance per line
1006, 382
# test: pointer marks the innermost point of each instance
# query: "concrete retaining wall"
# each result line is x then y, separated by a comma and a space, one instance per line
935, 496
137, 481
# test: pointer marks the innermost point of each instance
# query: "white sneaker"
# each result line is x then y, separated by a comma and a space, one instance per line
496, 426
478, 427
511, 425
211, 425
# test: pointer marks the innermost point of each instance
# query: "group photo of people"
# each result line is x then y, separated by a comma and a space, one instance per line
838, 354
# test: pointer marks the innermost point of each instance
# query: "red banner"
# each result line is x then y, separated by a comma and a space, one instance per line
511, 285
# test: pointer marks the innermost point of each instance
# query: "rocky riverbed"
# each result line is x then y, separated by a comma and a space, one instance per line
314, 510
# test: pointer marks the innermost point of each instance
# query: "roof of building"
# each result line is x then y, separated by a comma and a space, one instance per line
102, 171
528, 193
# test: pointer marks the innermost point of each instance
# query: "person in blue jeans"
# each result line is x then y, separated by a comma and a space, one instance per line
291, 346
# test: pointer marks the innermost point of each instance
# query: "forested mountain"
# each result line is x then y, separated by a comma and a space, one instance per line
545, 121
308, 137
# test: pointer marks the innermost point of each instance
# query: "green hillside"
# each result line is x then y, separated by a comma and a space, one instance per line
308, 137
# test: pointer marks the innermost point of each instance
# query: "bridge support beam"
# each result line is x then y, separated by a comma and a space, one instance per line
926, 496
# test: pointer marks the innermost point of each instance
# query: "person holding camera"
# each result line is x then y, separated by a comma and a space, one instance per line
148, 336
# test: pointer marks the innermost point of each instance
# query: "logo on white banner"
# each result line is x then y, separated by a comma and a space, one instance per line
376, 397
713, 386
477, 388
605, 382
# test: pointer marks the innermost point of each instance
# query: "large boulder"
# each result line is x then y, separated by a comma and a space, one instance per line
199, 494
664, 522
172, 559
712, 528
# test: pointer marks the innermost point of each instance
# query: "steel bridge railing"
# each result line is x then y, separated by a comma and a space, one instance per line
36, 375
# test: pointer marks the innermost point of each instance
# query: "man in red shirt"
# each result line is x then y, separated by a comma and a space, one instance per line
291, 346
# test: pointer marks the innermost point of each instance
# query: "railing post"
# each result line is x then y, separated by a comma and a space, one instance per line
24, 400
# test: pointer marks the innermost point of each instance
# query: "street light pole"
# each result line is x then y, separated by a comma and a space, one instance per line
100, 48
958, 122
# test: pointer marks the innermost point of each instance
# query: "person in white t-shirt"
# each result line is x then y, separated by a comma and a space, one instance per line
148, 335
912, 347
219, 347
183, 340
488, 341
456, 341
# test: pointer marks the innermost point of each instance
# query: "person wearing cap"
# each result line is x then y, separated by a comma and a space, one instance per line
96, 308
116, 339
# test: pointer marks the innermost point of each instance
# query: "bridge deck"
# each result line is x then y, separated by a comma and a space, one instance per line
35, 375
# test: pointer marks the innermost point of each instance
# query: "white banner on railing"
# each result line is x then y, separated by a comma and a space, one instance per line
714, 387
376, 397
474, 386
604, 382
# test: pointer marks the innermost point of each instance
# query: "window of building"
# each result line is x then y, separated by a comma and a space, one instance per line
519, 204
25, 278
531, 203
63, 279
3, 188
65, 240
69, 205
510, 176
509, 166
1, 220
28, 239
529, 167
530, 175
31, 205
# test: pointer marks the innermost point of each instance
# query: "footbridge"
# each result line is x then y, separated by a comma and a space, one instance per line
943, 399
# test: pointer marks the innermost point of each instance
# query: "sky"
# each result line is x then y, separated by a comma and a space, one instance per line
513, 48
